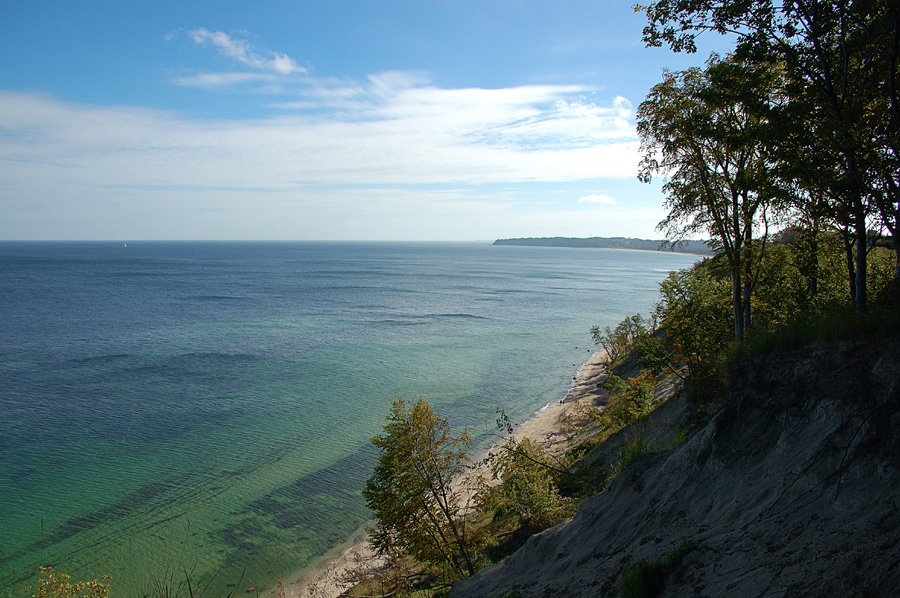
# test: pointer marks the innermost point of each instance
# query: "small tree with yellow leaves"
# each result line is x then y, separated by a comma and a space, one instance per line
411, 491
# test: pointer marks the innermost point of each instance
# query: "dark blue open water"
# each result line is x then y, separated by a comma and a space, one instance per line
207, 406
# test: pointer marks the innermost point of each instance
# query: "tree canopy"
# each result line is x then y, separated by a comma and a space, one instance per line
411, 491
838, 102
708, 130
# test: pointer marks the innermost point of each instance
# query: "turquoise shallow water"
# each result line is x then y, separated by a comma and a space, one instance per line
206, 407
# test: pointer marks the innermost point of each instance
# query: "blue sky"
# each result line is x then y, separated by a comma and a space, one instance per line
363, 120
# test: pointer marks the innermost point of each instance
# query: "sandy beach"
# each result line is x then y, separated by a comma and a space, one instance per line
553, 426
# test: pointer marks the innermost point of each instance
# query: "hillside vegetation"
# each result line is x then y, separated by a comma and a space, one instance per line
789, 489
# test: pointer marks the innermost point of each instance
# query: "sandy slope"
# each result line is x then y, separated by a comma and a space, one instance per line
789, 490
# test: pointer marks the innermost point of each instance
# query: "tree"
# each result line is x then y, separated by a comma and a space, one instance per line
617, 343
841, 60
628, 401
528, 486
707, 131
693, 310
411, 491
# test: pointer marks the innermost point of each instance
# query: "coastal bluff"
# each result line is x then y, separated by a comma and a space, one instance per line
694, 247
789, 488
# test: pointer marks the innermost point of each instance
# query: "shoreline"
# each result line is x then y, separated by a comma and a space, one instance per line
547, 425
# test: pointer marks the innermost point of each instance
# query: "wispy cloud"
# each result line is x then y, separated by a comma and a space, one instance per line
381, 150
242, 51
221, 80
598, 199
391, 129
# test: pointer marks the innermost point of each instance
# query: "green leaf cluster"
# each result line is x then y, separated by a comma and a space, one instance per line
528, 487
627, 402
411, 491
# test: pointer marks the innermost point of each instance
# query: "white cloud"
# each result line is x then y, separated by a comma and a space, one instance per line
220, 80
396, 134
242, 51
597, 198
392, 129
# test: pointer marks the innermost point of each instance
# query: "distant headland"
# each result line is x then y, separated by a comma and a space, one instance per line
697, 247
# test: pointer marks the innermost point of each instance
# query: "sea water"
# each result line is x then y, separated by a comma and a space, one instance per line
202, 411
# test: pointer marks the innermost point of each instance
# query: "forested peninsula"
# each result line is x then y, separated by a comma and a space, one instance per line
690, 246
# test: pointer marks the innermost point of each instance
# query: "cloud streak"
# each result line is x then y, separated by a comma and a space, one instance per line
242, 51
394, 135
597, 199
389, 130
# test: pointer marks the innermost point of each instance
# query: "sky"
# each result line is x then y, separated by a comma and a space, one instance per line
325, 120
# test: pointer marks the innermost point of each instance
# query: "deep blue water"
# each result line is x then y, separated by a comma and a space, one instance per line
207, 406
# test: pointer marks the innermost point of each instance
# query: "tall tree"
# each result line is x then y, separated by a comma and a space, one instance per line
706, 131
836, 52
411, 491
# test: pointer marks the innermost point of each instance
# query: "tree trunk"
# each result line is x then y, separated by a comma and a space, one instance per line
851, 270
862, 246
814, 262
895, 237
748, 277
736, 303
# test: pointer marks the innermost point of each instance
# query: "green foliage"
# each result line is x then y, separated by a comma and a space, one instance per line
528, 486
695, 313
49, 585
789, 309
837, 325
618, 342
636, 335
836, 146
633, 450
647, 579
652, 355
787, 292
627, 401
410, 493
789, 316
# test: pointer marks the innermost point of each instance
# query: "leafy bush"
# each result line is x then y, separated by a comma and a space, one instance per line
618, 342
528, 486
627, 401
695, 311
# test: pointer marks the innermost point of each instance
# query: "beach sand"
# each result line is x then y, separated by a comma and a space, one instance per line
554, 427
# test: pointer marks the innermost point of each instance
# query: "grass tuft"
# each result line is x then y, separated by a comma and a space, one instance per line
647, 579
